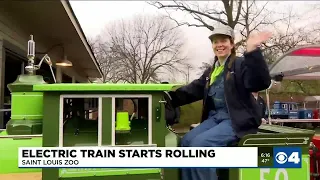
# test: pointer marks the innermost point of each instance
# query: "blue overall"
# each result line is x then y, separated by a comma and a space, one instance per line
216, 131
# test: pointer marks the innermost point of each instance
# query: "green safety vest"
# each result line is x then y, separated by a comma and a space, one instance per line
216, 72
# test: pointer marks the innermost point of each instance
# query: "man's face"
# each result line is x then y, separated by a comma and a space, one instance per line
222, 45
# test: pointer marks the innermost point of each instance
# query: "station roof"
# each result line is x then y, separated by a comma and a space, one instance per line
312, 98
301, 63
52, 23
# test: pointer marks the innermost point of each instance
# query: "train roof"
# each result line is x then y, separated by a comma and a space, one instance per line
103, 87
312, 98
302, 63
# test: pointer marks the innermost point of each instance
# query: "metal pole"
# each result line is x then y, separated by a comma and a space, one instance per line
2, 80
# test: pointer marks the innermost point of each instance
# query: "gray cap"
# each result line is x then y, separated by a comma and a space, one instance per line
224, 30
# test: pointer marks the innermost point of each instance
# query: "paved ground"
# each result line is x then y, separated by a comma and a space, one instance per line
21, 176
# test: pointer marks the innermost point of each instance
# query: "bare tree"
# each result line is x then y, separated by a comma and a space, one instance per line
244, 15
109, 63
143, 48
186, 72
206, 65
288, 37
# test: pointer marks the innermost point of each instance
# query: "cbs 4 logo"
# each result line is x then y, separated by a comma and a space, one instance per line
282, 158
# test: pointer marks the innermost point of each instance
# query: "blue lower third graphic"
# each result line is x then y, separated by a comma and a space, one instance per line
287, 157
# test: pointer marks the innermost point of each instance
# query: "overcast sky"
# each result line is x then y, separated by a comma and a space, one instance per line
95, 15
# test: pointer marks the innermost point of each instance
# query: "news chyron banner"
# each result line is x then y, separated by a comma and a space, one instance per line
159, 157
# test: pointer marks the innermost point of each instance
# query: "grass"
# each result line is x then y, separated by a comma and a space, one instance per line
190, 114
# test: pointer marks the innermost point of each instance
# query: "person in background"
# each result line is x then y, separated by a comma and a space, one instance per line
262, 106
229, 109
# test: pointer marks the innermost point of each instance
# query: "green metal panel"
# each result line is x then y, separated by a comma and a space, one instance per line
27, 105
26, 113
158, 120
88, 172
171, 140
272, 136
102, 87
24, 127
26, 109
151, 176
278, 174
283, 129
25, 82
161, 135
106, 121
9, 146
51, 120
51, 129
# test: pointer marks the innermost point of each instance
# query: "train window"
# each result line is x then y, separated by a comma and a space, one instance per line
79, 123
293, 107
132, 121
276, 106
284, 106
